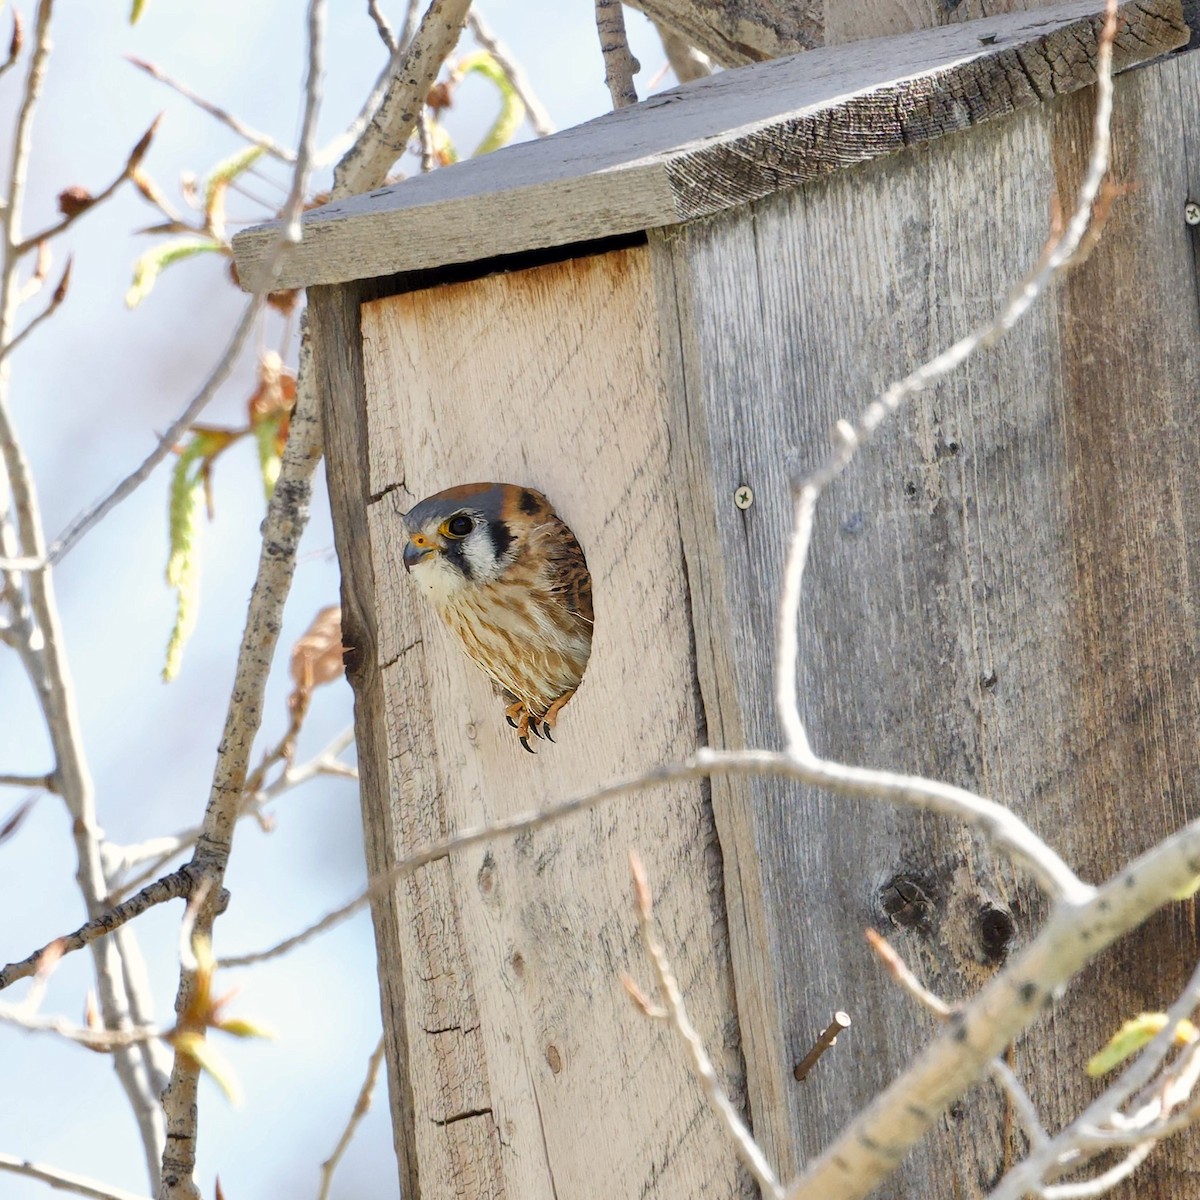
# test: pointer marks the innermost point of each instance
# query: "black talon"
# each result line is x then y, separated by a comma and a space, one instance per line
546, 731
525, 742
533, 725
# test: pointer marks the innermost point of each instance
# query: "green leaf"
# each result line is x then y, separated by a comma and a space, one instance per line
199, 1049
266, 434
219, 179
135, 14
240, 1027
148, 267
512, 107
1132, 1036
183, 565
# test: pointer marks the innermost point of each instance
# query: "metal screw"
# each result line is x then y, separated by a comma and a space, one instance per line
1191, 212
743, 497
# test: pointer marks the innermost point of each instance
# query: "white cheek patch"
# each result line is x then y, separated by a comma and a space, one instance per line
480, 556
436, 577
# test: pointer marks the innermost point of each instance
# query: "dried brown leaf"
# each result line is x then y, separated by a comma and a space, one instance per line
143, 145
276, 392
18, 815
74, 200
60, 292
17, 40
317, 654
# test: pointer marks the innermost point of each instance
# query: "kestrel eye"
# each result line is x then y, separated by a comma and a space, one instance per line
459, 526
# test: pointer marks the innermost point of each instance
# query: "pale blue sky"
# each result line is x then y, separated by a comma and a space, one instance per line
90, 390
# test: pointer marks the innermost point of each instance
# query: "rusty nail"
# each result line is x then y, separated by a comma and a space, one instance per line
839, 1024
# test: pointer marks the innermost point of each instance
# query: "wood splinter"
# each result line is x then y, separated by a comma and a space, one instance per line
839, 1024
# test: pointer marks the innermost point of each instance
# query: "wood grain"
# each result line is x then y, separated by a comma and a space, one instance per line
532, 1075
716, 143
1002, 593
333, 315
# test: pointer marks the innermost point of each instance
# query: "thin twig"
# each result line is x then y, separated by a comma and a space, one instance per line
848, 437
747, 1148
159, 851
361, 1107
412, 17
65, 1181
104, 1040
535, 110
60, 294
179, 884
1088, 1135
619, 64
254, 136
132, 163
42, 644
686, 61
386, 33
1002, 827
287, 516
165, 446
902, 974
44, 782
408, 78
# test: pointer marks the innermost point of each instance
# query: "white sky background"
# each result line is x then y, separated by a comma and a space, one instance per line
90, 389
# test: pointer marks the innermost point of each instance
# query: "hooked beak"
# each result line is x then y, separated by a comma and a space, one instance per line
414, 554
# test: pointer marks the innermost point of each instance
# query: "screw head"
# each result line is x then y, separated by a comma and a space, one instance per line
1191, 212
743, 497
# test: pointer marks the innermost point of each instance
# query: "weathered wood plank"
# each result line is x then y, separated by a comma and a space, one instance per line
532, 1075
1002, 591
333, 316
716, 143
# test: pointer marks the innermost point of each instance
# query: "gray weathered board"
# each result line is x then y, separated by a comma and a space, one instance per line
713, 144
1002, 595
1004, 591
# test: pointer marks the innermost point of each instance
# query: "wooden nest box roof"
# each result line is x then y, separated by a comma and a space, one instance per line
714, 144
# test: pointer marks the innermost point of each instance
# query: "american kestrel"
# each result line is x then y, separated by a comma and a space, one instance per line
508, 577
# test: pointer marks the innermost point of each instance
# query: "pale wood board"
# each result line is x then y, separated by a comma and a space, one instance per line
1002, 593
532, 1075
714, 144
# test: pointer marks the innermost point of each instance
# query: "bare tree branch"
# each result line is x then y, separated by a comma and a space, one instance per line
45, 782
42, 651
60, 294
132, 163
686, 61
250, 134
65, 1181
619, 64
178, 885
535, 111
386, 33
702, 1067
366, 164
361, 1107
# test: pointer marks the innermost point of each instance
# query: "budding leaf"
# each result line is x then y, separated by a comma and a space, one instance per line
148, 267
512, 107
197, 1047
1132, 1036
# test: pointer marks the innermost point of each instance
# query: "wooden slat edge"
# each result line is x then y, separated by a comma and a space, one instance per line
623, 173
884, 121
333, 316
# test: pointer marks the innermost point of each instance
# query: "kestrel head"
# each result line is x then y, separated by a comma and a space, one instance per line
467, 535
510, 580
